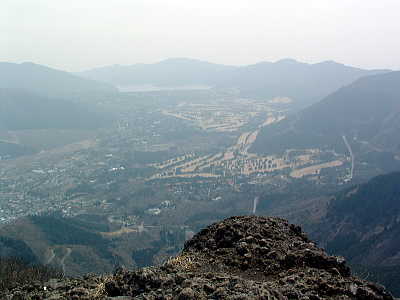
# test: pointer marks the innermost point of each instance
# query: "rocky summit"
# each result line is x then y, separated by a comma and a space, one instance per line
244, 257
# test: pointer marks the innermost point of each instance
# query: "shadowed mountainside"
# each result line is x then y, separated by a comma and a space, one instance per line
367, 112
362, 223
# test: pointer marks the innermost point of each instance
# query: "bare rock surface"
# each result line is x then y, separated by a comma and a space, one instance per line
244, 257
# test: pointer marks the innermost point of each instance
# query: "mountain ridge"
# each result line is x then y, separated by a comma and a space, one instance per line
48, 81
366, 111
302, 82
245, 257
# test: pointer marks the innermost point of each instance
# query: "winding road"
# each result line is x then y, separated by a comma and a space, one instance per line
52, 255
62, 260
69, 250
351, 155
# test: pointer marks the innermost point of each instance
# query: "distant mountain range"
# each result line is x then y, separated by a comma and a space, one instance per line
363, 224
305, 83
366, 112
37, 97
47, 81
170, 72
302, 82
22, 109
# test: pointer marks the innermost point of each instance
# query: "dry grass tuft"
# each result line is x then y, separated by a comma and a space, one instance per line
100, 291
182, 261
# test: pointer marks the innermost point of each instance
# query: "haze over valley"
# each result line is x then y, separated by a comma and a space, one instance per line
118, 160
138, 164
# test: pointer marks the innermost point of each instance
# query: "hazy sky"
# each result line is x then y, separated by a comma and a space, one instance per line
79, 34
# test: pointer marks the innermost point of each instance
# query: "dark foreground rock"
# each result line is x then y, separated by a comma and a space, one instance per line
240, 258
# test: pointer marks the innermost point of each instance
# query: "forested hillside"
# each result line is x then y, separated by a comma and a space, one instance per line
367, 112
362, 223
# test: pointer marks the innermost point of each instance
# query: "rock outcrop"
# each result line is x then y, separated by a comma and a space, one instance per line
239, 258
